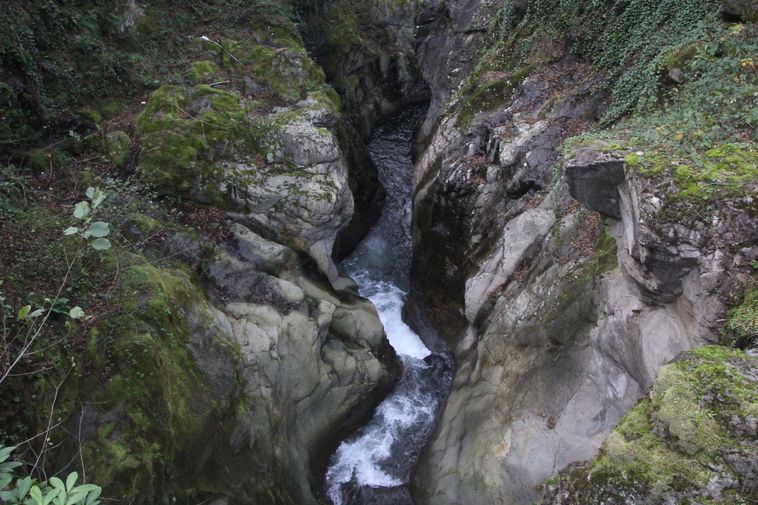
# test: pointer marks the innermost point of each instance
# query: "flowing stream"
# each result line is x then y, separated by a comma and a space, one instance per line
373, 465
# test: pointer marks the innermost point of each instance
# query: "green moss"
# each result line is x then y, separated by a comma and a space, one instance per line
682, 56
490, 95
117, 146
201, 71
166, 106
144, 223
343, 32
671, 445
183, 128
170, 161
111, 108
742, 321
156, 400
605, 257
288, 73
689, 425
634, 456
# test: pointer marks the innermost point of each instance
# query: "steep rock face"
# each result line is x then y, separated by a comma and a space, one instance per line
693, 439
560, 317
284, 171
255, 376
239, 356
450, 35
367, 52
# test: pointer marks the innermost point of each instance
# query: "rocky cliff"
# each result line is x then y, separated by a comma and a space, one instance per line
565, 268
584, 213
228, 356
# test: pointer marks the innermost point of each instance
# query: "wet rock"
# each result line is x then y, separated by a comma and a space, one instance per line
366, 495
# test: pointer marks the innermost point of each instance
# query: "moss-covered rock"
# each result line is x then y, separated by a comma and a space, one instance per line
692, 441
150, 374
490, 94
742, 321
117, 146
225, 147
201, 71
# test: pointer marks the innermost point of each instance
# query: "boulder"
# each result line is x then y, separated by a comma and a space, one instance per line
746, 10
593, 178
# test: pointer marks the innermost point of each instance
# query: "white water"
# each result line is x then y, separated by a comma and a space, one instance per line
382, 453
389, 301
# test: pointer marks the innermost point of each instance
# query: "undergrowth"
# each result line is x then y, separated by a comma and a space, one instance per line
628, 39
66, 65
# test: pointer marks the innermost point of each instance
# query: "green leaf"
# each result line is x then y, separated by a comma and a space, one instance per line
53, 493
23, 486
96, 196
5, 452
5, 480
100, 244
97, 229
76, 313
57, 484
36, 313
98, 200
81, 210
36, 495
92, 499
71, 230
75, 498
71, 480
23, 312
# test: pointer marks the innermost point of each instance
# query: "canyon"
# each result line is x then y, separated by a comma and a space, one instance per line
581, 241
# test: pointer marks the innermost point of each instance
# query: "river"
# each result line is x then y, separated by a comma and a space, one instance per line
373, 465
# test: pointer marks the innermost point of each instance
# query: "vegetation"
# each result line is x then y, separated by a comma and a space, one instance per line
69, 65
741, 326
26, 491
631, 40
673, 444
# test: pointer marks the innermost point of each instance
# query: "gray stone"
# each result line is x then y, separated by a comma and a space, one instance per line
593, 178
747, 10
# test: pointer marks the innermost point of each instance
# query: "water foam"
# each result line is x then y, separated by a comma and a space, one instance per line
382, 453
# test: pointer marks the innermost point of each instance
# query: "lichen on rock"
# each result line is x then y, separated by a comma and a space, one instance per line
693, 440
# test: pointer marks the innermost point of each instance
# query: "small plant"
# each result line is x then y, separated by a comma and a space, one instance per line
12, 188
27, 491
742, 321
93, 232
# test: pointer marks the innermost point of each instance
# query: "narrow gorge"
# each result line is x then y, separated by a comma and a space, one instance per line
379, 252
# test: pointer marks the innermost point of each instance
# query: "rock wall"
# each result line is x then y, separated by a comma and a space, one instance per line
234, 371
238, 356
561, 280
693, 439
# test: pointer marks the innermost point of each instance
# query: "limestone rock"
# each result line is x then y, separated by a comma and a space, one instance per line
593, 178
678, 445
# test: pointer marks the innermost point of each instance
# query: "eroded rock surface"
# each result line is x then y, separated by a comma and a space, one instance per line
691, 439
560, 316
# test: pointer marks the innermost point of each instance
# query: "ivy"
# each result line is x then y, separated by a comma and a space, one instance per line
627, 38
